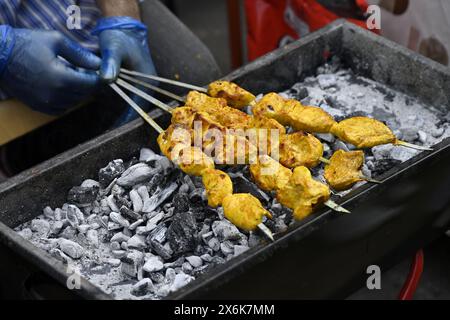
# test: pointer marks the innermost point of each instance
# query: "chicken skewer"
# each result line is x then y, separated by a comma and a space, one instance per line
292, 113
218, 184
331, 204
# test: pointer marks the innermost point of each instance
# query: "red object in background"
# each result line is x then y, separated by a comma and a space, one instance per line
412, 282
274, 23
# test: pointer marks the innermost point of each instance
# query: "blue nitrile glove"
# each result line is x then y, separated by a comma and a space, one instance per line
123, 43
43, 69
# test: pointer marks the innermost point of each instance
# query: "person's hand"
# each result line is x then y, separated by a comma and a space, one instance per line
123, 44
46, 70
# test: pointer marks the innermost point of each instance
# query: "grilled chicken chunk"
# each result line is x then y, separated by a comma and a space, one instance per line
290, 112
269, 174
173, 139
302, 193
344, 169
235, 96
193, 161
300, 149
244, 211
218, 185
363, 132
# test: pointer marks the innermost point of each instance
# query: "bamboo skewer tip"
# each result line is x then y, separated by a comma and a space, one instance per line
334, 206
263, 228
412, 146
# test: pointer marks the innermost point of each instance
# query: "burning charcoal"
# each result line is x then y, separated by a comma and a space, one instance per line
187, 268
109, 173
129, 214
181, 203
112, 226
170, 275
114, 262
326, 80
82, 196
157, 180
217, 260
195, 261
74, 216
119, 254
157, 277
198, 196
243, 185
122, 202
112, 203
124, 246
437, 133
69, 233
163, 164
115, 245
409, 134
180, 281
92, 238
184, 189
131, 263
200, 270
49, 213
188, 181
238, 250
89, 183
158, 198
147, 155
142, 287
142, 231
136, 174
339, 145
154, 220
72, 249
26, 233
422, 136
120, 237
214, 244
227, 248
182, 233
159, 234
58, 254
206, 257
201, 212
225, 230
117, 218
40, 227
162, 251
83, 228
254, 240
136, 200
136, 224
327, 137
56, 227
137, 242
58, 214
153, 264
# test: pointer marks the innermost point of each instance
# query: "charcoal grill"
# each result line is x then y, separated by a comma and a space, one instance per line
324, 256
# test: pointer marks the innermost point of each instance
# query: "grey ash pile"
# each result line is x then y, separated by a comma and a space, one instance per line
143, 229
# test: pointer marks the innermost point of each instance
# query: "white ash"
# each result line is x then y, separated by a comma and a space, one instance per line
147, 231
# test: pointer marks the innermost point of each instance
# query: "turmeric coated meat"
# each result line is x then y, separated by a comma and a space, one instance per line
300, 149
363, 132
218, 185
173, 139
302, 193
244, 211
269, 174
290, 112
344, 169
235, 95
193, 161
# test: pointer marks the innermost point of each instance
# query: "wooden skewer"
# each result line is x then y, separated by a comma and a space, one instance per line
370, 179
334, 206
138, 109
144, 95
152, 87
164, 80
266, 231
412, 146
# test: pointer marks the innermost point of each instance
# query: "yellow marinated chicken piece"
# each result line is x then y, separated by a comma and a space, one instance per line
344, 169
244, 211
290, 112
171, 140
218, 185
308, 118
232, 149
217, 108
193, 161
269, 174
302, 193
300, 149
183, 116
266, 130
363, 132
273, 106
235, 95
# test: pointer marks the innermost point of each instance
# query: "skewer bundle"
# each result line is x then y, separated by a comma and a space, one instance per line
222, 111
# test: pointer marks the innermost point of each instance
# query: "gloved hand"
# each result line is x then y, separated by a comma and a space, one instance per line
33, 69
123, 43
